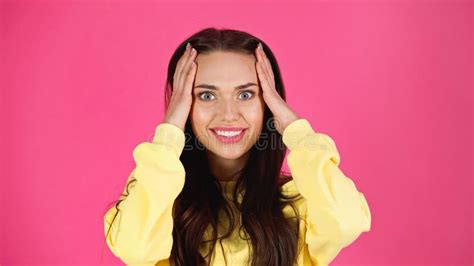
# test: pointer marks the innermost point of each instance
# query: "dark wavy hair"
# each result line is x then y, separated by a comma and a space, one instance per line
272, 237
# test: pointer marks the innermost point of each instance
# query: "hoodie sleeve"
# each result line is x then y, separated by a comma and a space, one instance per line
337, 213
141, 233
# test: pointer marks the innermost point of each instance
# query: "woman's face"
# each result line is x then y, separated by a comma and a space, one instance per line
226, 94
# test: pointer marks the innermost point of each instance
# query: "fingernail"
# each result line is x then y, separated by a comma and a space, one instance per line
187, 46
260, 46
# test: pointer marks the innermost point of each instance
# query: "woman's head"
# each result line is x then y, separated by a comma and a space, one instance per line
227, 93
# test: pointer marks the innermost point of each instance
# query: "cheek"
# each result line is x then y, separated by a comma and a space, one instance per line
254, 115
259, 106
200, 117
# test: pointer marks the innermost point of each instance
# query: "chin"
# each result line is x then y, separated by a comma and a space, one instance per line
231, 153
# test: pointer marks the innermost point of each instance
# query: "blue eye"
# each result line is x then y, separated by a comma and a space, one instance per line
250, 93
204, 93
208, 95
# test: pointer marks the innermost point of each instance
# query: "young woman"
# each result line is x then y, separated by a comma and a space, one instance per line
208, 189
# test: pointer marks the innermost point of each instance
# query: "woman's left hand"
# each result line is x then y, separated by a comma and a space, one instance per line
282, 113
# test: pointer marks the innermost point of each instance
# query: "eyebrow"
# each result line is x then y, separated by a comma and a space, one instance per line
212, 87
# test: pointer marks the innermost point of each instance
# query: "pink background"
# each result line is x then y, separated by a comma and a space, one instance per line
391, 82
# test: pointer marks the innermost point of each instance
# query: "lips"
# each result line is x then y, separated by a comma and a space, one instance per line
228, 140
228, 128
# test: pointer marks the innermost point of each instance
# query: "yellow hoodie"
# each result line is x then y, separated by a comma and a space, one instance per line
336, 213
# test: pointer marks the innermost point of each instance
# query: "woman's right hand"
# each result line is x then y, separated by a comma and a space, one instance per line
181, 97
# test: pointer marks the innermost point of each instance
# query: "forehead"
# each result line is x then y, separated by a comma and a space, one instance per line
223, 68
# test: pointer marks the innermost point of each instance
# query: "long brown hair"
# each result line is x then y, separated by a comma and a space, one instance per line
272, 237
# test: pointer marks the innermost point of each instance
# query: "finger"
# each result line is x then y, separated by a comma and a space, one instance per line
267, 63
268, 72
179, 66
186, 67
263, 64
262, 76
189, 60
188, 86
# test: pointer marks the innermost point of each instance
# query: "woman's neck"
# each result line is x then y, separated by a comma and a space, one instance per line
226, 169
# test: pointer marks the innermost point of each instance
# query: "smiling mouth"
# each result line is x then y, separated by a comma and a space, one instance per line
228, 137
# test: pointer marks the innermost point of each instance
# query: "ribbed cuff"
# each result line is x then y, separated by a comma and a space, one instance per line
295, 132
295, 136
170, 135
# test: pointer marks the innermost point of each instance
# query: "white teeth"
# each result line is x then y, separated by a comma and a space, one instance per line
228, 133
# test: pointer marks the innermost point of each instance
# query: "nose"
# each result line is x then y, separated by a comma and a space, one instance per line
229, 111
